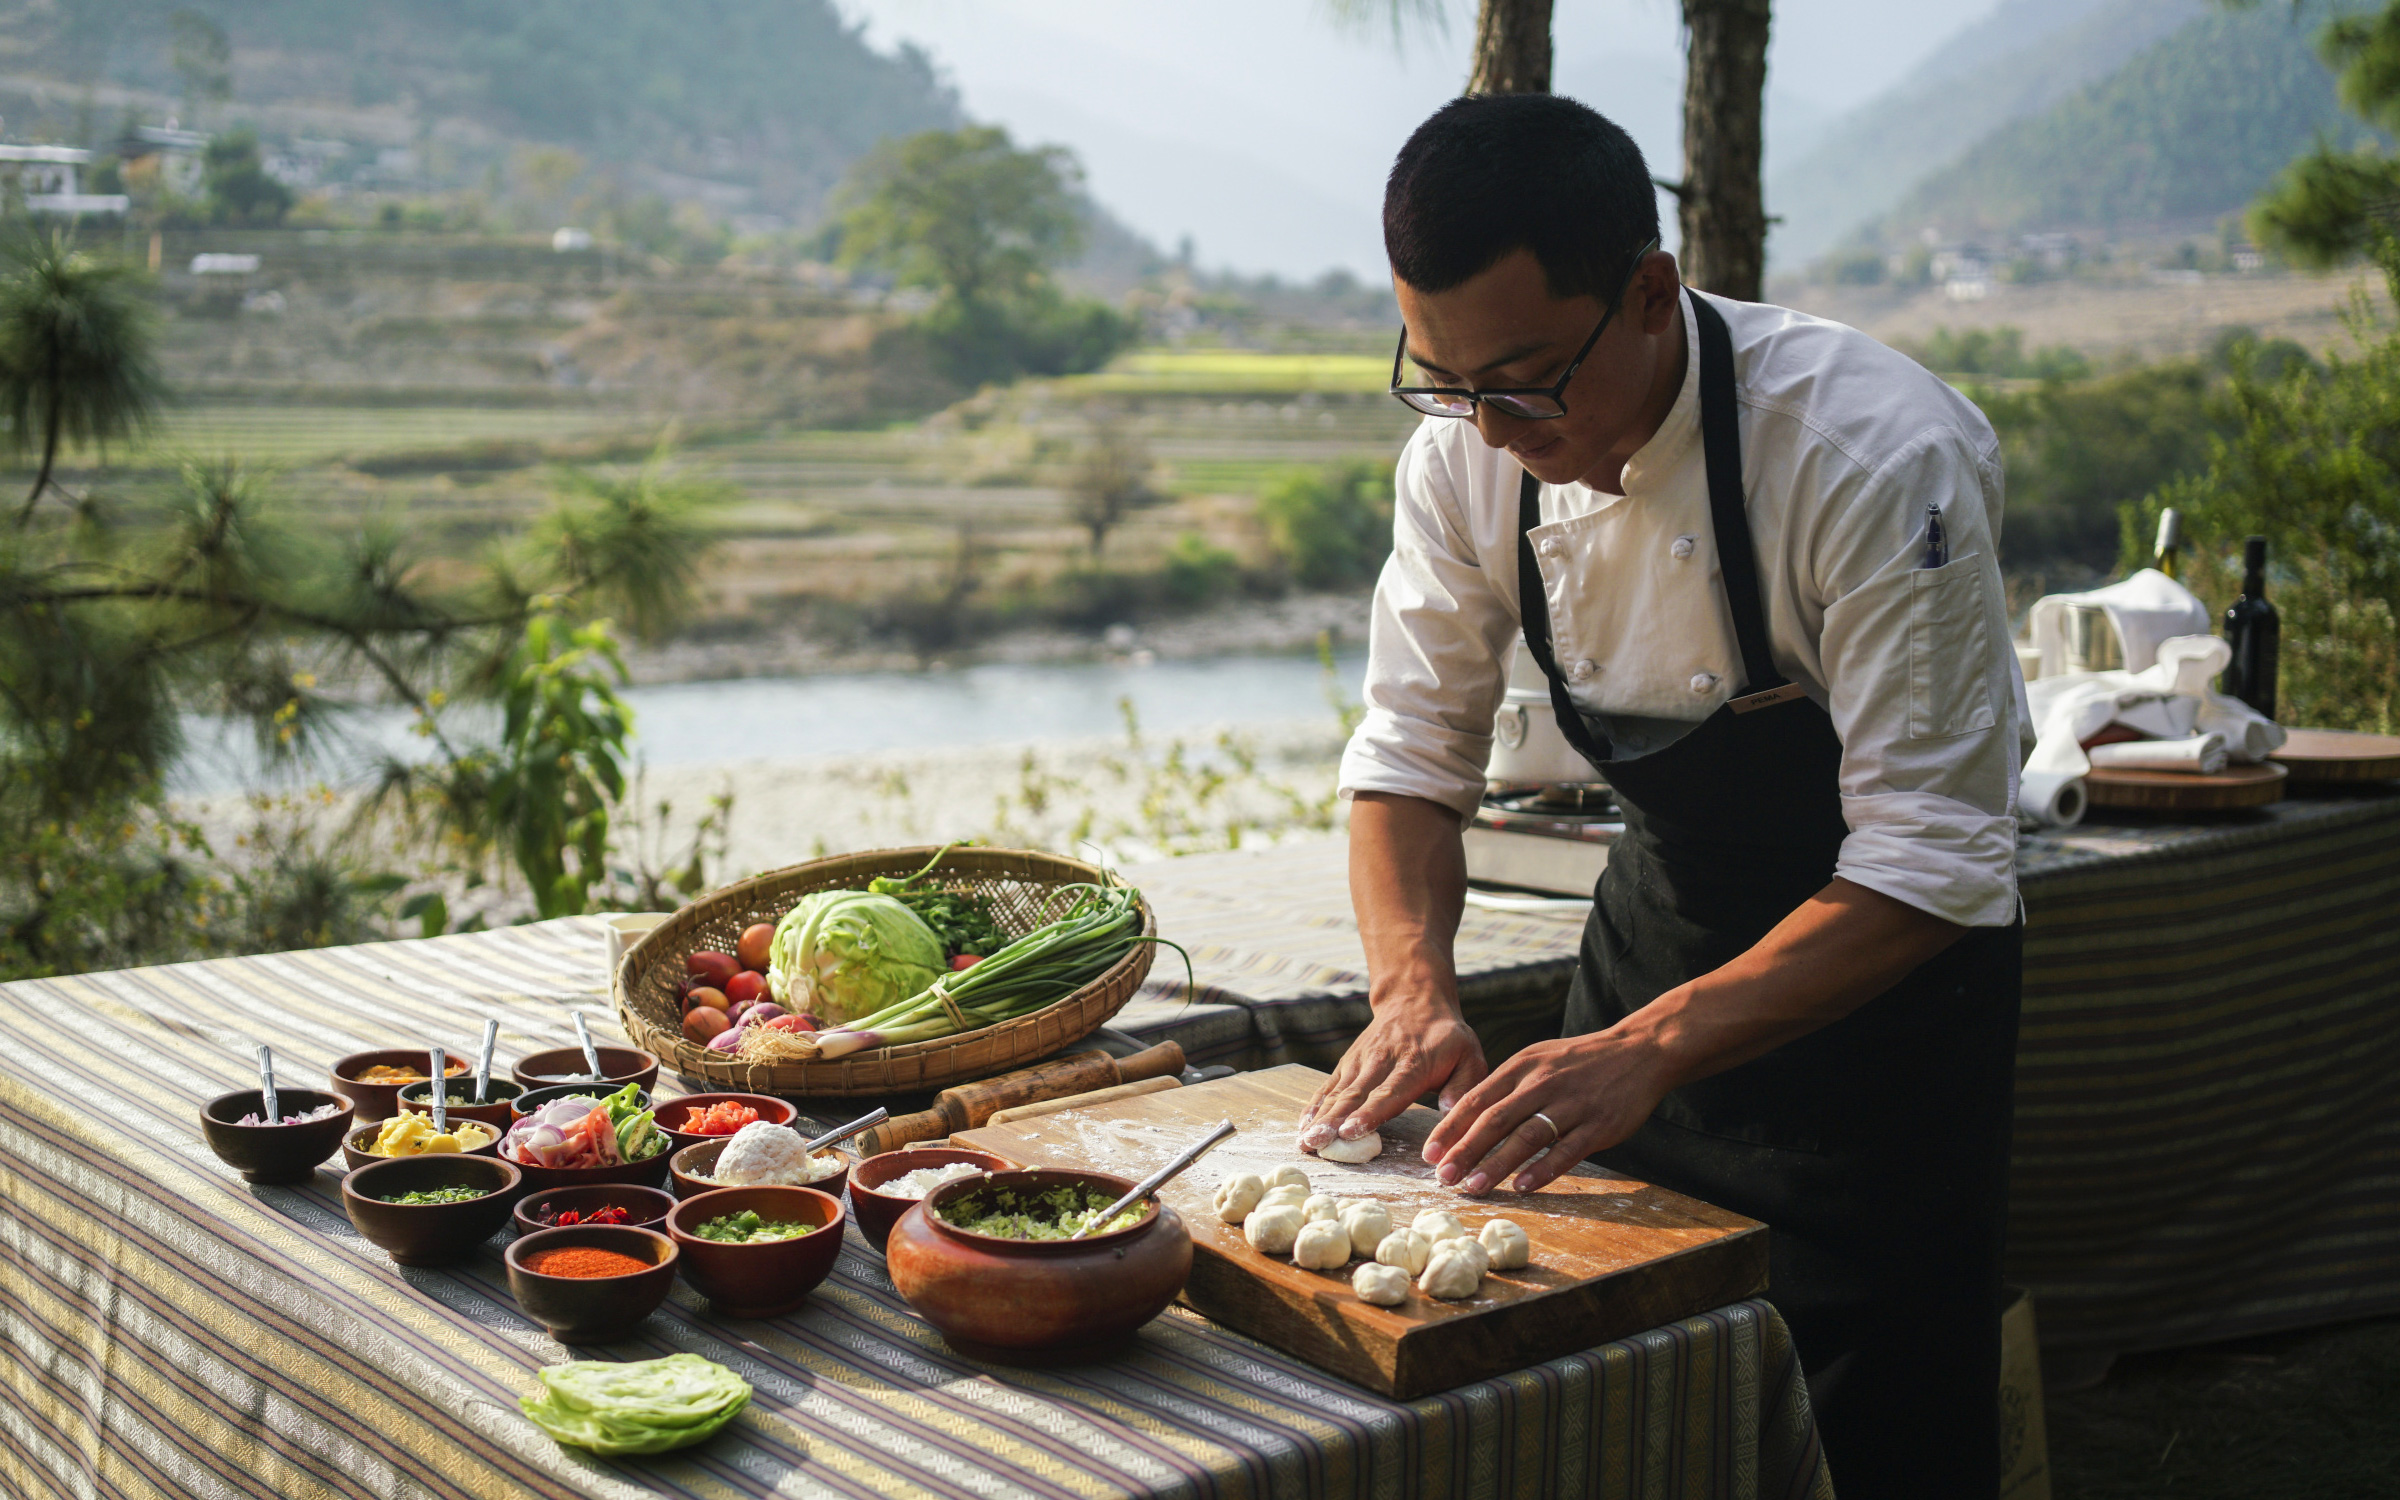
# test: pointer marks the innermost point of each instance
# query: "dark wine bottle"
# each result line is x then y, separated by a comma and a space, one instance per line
2254, 633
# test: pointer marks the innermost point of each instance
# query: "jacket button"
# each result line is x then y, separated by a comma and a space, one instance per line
1683, 547
1581, 671
1703, 681
1551, 546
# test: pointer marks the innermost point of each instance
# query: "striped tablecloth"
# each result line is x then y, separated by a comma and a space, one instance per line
166, 1329
2208, 1074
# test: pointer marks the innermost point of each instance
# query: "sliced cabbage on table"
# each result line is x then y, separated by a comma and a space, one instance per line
636, 1406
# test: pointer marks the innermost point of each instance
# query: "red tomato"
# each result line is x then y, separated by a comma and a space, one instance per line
712, 968
965, 961
752, 949
746, 986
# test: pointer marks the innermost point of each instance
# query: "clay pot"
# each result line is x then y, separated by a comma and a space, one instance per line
274, 1153
595, 1309
1040, 1302
876, 1211
757, 1281
429, 1234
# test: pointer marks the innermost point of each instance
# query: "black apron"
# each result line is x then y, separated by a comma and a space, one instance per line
1876, 1148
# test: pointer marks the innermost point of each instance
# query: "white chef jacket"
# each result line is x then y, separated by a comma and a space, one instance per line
1844, 444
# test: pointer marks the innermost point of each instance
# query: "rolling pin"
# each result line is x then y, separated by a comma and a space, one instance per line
967, 1105
1078, 1101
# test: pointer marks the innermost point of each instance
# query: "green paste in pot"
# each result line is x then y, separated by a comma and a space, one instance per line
1054, 1215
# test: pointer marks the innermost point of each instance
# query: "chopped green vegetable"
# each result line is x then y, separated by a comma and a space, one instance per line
1055, 1215
638, 1136
441, 1195
962, 921
747, 1228
642, 1406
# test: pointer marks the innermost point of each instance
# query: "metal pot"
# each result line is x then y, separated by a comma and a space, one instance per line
1527, 745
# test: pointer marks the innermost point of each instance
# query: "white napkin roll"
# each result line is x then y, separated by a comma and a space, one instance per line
2050, 799
2204, 753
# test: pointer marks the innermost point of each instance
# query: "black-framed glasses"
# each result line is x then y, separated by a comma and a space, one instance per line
1537, 403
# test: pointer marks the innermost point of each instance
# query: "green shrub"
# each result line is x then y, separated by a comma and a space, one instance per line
1197, 572
1333, 527
2075, 451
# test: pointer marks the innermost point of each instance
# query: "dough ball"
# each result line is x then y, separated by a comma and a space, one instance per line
1238, 1194
1287, 1176
1321, 1246
1450, 1274
1271, 1228
1295, 1196
1366, 1148
1470, 1247
1367, 1224
1405, 1249
1385, 1286
1437, 1225
1317, 1206
1506, 1239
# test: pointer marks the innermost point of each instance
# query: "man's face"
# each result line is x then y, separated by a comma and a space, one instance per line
1503, 329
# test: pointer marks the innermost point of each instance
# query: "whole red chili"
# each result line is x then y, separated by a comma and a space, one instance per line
567, 1218
609, 1215
582, 1261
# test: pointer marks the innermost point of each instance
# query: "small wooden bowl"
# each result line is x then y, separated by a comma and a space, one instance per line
592, 1309
619, 1065
875, 1211
645, 1207
274, 1153
650, 1171
429, 1234
355, 1154
380, 1101
758, 1281
1041, 1302
674, 1112
691, 1165
496, 1111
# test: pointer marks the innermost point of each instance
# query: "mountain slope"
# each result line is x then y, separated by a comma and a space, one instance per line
2188, 130
2026, 56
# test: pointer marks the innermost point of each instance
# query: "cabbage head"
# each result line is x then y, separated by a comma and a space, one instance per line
841, 956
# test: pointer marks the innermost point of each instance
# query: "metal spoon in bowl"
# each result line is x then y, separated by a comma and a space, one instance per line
266, 1085
483, 1064
441, 1092
843, 1132
1157, 1179
591, 1054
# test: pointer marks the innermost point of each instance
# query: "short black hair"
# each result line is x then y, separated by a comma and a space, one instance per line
1493, 173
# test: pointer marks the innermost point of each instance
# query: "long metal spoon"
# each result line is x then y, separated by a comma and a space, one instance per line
591, 1054
1157, 1179
844, 1132
441, 1092
266, 1084
483, 1064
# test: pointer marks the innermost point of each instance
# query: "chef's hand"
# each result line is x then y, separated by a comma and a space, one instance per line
1410, 1048
1596, 1090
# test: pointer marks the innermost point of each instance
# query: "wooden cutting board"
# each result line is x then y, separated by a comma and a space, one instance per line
2315, 755
2184, 791
1611, 1256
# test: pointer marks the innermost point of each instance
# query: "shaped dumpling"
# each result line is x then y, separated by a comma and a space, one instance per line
1507, 1241
1450, 1274
1366, 1148
1385, 1286
1319, 1206
1404, 1248
1271, 1228
1287, 1175
1287, 1193
1367, 1224
1321, 1246
1438, 1224
1238, 1194
1470, 1247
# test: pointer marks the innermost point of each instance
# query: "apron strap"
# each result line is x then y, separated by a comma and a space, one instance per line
1737, 561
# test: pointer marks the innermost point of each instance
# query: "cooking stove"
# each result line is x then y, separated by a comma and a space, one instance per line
1550, 837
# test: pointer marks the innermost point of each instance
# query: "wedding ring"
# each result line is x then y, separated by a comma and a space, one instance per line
1556, 1134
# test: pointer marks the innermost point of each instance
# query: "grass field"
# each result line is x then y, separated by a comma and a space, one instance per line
1231, 372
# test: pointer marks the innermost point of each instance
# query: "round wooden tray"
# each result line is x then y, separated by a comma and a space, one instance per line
1020, 884
2315, 755
2185, 791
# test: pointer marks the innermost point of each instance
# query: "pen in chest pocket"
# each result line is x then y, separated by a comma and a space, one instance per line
1937, 547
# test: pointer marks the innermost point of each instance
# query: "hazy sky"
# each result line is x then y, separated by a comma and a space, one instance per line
1263, 131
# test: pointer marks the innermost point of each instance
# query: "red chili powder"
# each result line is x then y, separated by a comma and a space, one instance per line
580, 1260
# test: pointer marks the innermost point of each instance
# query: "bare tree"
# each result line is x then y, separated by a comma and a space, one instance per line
1111, 479
1721, 209
1512, 48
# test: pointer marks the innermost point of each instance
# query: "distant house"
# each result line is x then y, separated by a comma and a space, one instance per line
178, 156
45, 178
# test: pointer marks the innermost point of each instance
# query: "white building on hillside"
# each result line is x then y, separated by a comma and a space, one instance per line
45, 177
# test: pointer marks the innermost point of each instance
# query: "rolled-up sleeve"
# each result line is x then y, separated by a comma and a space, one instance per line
1922, 685
1437, 646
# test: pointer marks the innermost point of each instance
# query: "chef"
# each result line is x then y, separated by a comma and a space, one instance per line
1755, 555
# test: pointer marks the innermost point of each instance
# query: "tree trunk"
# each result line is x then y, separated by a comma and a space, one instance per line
1512, 48
41, 479
1722, 211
